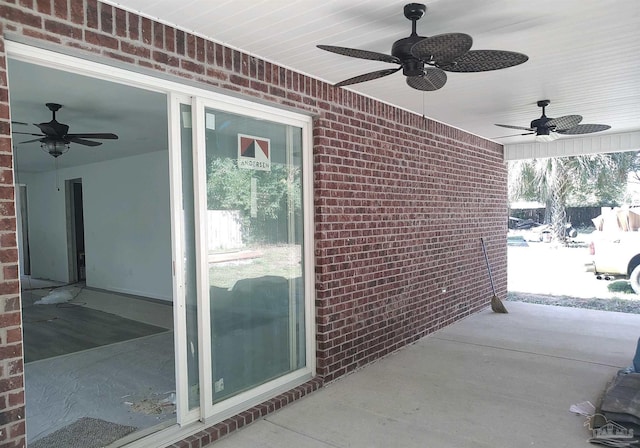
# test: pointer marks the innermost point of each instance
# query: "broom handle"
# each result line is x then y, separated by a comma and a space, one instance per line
484, 251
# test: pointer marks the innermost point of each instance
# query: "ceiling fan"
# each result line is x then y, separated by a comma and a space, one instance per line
55, 138
424, 60
545, 127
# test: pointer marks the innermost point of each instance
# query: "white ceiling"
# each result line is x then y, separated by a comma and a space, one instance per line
582, 56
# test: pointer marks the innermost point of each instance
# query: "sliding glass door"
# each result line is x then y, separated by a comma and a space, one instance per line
252, 220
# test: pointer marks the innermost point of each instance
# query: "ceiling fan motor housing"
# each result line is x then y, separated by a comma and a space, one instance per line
540, 125
402, 50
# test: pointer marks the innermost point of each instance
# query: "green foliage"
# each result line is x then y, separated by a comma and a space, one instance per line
278, 192
620, 286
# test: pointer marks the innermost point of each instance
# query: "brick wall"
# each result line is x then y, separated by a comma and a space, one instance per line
400, 201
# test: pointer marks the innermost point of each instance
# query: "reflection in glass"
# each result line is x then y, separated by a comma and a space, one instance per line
189, 255
254, 228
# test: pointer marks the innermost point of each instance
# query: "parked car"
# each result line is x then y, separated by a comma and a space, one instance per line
616, 254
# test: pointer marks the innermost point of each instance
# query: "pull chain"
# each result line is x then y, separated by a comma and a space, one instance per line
57, 175
424, 108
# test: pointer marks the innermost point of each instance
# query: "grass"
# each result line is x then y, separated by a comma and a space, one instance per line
614, 304
283, 261
622, 286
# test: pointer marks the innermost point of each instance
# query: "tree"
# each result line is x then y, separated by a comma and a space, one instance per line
558, 182
278, 192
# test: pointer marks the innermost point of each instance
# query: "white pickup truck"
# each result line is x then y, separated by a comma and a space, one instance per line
616, 254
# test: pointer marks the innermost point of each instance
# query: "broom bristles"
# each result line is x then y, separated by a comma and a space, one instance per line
497, 306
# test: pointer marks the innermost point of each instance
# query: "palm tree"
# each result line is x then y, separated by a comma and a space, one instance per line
558, 182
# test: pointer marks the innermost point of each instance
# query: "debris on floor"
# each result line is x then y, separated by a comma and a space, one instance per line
55, 296
153, 403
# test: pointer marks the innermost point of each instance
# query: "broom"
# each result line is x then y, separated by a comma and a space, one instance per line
496, 304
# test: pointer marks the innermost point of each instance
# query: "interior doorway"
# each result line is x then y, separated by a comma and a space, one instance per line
75, 231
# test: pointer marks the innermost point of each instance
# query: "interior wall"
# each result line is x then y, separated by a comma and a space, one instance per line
126, 220
47, 226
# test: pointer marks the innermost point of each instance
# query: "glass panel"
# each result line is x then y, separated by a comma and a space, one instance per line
254, 227
189, 239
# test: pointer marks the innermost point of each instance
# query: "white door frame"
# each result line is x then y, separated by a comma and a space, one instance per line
213, 413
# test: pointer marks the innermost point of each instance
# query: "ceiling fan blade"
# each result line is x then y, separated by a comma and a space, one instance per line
34, 140
442, 48
485, 60
108, 136
28, 133
584, 129
565, 122
515, 127
433, 79
515, 135
368, 77
82, 141
361, 54
20, 123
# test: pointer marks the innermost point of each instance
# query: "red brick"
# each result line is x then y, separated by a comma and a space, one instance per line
136, 50
10, 13
9, 287
191, 46
120, 22
9, 319
92, 13
169, 39
63, 29
77, 12
158, 35
10, 272
14, 335
44, 6
146, 28
61, 9
133, 26
42, 36
101, 40
11, 383
180, 42
192, 67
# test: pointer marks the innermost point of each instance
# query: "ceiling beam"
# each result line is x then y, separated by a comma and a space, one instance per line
627, 141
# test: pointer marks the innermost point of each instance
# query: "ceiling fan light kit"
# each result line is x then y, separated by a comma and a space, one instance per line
545, 138
55, 148
548, 129
424, 60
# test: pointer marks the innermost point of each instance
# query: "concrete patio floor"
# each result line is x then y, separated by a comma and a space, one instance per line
491, 380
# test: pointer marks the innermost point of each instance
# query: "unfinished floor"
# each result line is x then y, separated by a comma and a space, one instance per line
78, 372
491, 380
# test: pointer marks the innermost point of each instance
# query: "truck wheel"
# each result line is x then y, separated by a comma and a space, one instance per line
634, 279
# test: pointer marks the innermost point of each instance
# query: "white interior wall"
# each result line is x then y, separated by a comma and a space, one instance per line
126, 221
47, 226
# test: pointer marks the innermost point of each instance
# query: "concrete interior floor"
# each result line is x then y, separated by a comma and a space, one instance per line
490, 380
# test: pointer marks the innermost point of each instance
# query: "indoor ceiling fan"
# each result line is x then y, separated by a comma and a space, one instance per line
546, 129
424, 60
55, 138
